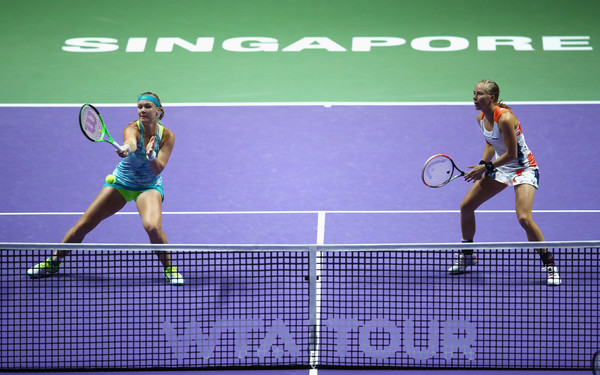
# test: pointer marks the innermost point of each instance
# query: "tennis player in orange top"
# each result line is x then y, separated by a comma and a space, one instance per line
514, 165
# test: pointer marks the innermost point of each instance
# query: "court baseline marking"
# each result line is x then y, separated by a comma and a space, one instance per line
292, 104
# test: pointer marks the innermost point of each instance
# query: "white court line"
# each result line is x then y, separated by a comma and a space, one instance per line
292, 104
319, 212
314, 357
321, 228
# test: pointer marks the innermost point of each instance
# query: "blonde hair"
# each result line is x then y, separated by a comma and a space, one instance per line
162, 110
493, 89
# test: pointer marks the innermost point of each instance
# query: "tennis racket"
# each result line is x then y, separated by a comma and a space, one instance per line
596, 363
93, 126
439, 170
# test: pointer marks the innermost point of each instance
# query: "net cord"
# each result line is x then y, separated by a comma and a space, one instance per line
294, 247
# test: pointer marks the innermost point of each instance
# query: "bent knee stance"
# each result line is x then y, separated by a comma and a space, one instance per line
526, 221
467, 207
153, 228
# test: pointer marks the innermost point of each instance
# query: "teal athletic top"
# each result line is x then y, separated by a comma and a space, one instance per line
133, 173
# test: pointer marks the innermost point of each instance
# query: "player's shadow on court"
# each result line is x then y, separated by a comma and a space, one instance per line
220, 288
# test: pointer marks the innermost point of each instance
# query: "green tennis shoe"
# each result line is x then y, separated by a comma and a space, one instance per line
44, 269
172, 276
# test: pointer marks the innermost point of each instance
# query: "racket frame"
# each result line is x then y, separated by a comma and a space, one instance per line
596, 363
452, 175
105, 135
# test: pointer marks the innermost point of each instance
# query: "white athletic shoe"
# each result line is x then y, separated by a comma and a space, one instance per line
463, 261
552, 276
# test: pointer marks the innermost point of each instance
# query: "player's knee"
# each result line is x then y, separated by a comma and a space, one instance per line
525, 220
152, 228
466, 207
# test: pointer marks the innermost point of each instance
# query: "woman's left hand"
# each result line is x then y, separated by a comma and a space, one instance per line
476, 172
150, 146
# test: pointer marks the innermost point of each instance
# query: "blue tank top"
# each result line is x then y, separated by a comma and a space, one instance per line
134, 172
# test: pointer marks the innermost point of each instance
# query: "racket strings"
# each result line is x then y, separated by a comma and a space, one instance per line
91, 123
437, 171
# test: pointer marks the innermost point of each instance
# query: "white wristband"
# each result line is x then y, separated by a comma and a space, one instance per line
152, 156
128, 147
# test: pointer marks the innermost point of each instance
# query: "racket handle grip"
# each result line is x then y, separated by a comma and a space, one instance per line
116, 145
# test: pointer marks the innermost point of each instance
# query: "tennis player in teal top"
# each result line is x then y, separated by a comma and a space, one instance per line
146, 151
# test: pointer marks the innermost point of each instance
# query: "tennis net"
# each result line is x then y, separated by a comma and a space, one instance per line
109, 307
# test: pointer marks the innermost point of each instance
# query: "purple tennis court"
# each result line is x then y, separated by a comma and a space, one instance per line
261, 175
296, 177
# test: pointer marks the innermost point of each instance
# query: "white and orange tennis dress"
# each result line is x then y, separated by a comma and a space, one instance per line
523, 169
